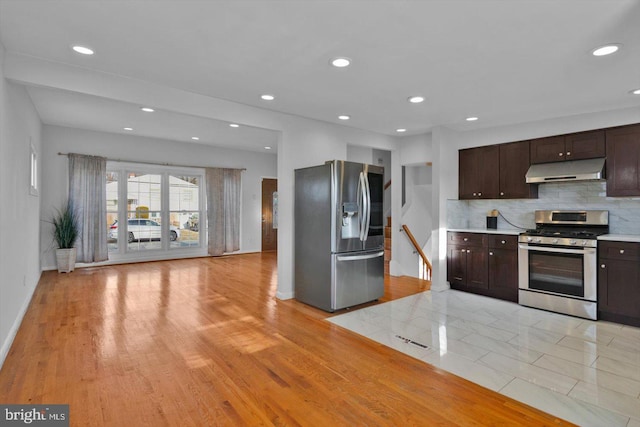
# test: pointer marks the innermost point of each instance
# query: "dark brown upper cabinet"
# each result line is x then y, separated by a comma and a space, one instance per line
585, 145
545, 150
623, 161
574, 146
514, 163
478, 172
495, 172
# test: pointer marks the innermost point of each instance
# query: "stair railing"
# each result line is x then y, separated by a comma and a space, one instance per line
427, 268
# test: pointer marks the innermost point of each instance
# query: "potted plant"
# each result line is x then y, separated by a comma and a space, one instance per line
65, 232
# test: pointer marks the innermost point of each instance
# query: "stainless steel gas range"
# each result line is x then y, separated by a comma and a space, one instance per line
557, 262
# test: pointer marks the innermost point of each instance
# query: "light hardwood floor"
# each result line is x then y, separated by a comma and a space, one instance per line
205, 342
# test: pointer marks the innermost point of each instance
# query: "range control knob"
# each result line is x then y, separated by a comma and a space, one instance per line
529, 239
538, 240
573, 242
584, 243
555, 241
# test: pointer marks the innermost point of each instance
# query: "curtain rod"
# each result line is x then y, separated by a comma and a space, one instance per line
152, 163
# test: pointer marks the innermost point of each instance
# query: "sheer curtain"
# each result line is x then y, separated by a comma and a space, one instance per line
223, 210
88, 198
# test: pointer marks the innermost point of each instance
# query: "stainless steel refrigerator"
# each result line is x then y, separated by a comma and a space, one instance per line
339, 234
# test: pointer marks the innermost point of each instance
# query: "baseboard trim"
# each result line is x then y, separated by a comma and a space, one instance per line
285, 295
8, 342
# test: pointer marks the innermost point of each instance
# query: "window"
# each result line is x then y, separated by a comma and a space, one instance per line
33, 186
145, 191
161, 214
184, 209
112, 211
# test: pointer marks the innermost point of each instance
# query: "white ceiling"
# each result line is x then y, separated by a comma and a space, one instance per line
503, 61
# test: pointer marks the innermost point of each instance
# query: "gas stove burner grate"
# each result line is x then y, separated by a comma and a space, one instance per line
578, 234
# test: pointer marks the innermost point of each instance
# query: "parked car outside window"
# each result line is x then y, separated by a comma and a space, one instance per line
143, 229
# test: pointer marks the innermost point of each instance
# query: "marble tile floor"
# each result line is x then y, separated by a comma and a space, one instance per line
583, 371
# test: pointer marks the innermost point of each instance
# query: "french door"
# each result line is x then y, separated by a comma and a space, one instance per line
154, 212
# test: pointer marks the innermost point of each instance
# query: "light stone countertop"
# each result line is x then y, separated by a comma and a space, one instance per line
621, 237
509, 231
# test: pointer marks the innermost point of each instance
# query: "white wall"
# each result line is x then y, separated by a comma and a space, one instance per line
19, 210
412, 150
416, 214
555, 126
134, 148
416, 149
359, 154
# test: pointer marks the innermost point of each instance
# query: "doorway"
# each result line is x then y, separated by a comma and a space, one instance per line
269, 214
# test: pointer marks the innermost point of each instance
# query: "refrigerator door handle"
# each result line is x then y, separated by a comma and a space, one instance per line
362, 205
367, 216
360, 257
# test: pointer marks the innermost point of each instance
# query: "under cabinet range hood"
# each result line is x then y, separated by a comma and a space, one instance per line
572, 170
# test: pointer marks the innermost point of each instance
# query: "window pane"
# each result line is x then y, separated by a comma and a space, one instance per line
112, 211
144, 222
186, 226
184, 206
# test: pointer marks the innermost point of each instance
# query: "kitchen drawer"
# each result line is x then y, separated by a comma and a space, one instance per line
502, 241
466, 239
619, 250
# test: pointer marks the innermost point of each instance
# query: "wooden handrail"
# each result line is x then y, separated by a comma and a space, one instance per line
415, 244
387, 185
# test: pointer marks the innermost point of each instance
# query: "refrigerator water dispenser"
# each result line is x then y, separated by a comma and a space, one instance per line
350, 228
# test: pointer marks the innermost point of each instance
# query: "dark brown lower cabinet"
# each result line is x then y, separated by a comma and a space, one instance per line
619, 282
503, 267
467, 261
485, 264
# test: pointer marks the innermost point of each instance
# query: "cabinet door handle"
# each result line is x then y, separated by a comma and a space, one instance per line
621, 251
474, 194
502, 193
479, 194
560, 154
602, 266
468, 251
503, 242
490, 253
568, 153
465, 239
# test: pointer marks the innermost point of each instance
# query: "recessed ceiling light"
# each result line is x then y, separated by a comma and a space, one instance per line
147, 109
340, 62
606, 50
195, 138
268, 97
635, 92
267, 148
83, 50
401, 130
234, 125
128, 128
416, 99
471, 119
344, 117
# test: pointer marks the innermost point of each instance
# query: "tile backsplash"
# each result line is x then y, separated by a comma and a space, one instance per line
624, 212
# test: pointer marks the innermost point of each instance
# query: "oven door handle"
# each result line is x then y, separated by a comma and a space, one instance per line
557, 250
